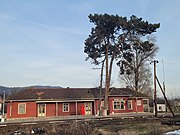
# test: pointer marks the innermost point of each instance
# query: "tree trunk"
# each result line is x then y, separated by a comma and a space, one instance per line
110, 68
100, 89
136, 70
107, 84
136, 79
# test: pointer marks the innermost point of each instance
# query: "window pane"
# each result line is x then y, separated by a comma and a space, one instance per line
122, 104
129, 104
65, 107
21, 108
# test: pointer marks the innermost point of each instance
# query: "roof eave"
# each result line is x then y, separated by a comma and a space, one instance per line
52, 100
120, 95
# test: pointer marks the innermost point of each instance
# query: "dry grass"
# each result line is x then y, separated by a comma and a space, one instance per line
116, 126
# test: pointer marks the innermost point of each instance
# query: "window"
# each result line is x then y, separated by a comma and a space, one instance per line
119, 105
116, 105
145, 101
65, 107
160, 108
130, 104
22, 108
138, 102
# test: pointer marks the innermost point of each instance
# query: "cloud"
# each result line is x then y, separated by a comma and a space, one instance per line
63, 29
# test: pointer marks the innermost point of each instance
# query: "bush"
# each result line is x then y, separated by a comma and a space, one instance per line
75, 128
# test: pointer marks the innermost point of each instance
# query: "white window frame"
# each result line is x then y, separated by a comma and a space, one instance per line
119, 101
20, 107
42, 110
130, 102
64, 106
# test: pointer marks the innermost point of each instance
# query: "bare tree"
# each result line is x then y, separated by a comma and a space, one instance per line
136, 73
144, 80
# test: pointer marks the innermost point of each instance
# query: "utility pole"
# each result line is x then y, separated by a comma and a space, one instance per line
164, 87
155, 91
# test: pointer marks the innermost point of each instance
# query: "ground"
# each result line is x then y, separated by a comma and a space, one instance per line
139, 125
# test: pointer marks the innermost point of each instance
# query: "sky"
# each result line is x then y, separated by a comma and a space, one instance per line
42, 41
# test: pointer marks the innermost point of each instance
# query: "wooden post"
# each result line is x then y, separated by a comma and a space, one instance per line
155, 95
56, 108
10, 109
76, 108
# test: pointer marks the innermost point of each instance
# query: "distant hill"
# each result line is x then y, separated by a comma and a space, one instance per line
43, 87
10, 90
7, 90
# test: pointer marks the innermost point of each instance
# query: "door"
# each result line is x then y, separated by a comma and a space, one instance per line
41, 110
88, 108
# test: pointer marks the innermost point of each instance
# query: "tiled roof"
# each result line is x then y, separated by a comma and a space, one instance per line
69, 93
125, 92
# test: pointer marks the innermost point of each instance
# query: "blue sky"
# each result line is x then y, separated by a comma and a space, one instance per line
42, 41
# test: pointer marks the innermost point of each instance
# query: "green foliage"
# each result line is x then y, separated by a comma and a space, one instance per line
105, 33
141, 49
120, 35
135, 47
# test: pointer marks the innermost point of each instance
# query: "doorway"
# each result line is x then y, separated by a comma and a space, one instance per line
41, 110
88, 108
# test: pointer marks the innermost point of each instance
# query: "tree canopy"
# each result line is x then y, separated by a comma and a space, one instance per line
105, 33
141, 48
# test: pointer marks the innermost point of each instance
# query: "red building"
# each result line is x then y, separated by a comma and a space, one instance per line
39, 102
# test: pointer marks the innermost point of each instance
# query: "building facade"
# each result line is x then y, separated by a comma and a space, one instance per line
32, 103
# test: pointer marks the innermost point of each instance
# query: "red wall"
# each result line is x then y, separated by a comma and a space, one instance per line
80, 108
140, 108
50, 109
72, 109
135, 107
96, 106
30, 110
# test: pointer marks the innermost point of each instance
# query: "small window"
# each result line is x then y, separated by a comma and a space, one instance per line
160, 108
22, 108
65, 107
130, 104
138, 102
